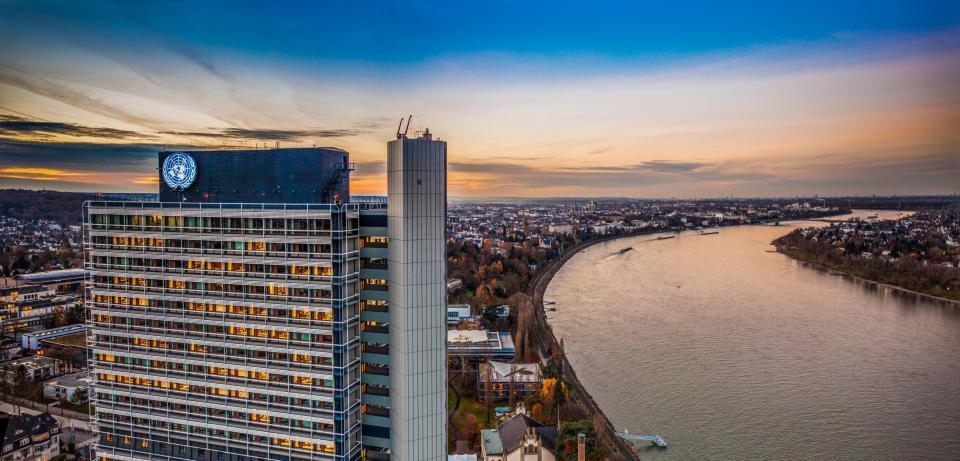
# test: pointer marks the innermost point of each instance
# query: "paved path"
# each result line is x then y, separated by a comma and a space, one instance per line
67, 418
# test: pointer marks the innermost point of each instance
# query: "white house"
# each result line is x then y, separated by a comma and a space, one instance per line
457, 313
64, 387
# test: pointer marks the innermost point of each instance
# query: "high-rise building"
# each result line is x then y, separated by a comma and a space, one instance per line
416, 225
248, 314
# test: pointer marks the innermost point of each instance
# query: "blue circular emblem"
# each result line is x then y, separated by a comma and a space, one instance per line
179, 170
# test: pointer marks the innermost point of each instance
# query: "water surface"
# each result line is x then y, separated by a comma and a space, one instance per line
731, 351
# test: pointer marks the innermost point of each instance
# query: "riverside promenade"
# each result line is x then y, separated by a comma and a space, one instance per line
549, 344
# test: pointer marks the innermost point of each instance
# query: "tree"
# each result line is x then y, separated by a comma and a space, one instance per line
559, 398
469, 427
536, 411
57, 318
75, 358
525, 325
79, 396
18, 386
76, 313
553, 394
488, 394
567, 438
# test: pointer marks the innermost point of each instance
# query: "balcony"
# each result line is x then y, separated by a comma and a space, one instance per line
372, 349
376, 329
378, 411
378, 390
377, 307
375, 286
374, 252
378, 370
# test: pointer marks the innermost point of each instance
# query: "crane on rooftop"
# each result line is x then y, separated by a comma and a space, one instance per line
404, 134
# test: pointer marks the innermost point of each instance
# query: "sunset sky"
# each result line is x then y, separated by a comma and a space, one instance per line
670, 99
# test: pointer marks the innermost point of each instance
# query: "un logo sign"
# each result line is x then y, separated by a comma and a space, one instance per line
179, 171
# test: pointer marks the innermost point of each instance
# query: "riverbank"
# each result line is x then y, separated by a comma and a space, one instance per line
836, 270
549, 345
731, 352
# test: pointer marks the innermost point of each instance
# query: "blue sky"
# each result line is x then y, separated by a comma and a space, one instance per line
752, 98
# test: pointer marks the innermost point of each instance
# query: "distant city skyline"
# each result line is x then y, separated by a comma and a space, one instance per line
539, 99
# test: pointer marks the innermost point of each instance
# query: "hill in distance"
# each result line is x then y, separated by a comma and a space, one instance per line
63, 207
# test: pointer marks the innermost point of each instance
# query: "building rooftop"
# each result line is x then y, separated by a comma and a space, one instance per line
516, 372
59, 331
62, 275
288, 175
491, 441
30, 362
15, 428
512, 431
79, 379
71, 340
22, 289
481, 342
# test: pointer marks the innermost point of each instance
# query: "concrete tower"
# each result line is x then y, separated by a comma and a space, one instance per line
416, 215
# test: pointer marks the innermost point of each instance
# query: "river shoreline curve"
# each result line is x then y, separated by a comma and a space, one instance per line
548, 344
833, 270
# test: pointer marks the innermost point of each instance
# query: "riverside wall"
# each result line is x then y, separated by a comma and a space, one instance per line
548, 343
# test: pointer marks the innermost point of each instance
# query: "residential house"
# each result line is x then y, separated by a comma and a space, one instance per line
521, 379
520, 438
29, 437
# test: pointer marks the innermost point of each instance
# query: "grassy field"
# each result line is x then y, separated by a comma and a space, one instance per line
470, 405
85, 408
75, 340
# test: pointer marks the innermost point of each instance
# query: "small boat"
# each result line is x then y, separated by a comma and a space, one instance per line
665, 237
624, 250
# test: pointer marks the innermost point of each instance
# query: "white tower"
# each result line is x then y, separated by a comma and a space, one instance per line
416, 222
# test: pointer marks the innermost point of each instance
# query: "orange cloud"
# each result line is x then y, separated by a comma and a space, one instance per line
38, 171
147, 180
42, 174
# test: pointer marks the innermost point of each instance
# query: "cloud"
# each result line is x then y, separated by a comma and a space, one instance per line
13, 126
267, 134
518, 158
661, 166
147, 180
40, 174
50, 89
78, 156
671, 166
601, 150
852, 173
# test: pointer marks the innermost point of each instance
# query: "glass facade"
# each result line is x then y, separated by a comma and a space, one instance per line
261, 330
225, 332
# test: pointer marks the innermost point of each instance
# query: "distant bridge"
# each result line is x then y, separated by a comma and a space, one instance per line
654, 439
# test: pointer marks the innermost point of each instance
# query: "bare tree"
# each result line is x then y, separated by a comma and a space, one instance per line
488, 392
513, 383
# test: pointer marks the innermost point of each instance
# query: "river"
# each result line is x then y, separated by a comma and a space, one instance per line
730, 351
